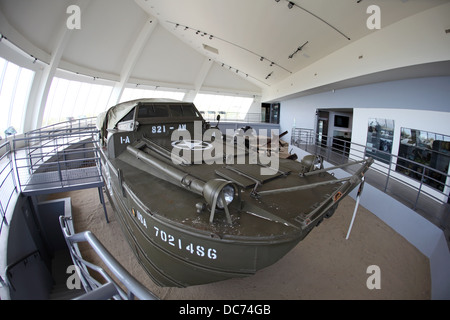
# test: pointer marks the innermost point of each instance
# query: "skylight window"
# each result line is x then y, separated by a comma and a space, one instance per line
229, 107
15, 86
69, 99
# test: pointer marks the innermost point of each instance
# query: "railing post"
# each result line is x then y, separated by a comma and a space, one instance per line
420, 189
3, 282
388, 176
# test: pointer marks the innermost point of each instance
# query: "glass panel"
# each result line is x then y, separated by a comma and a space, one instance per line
380, 134
15, 86
190, 111
23, 88
135, 93
153, 111
420, 150
73, 100
229, 107
176, 111
183, 111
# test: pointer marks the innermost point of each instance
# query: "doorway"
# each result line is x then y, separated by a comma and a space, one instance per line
322, 127
334, 128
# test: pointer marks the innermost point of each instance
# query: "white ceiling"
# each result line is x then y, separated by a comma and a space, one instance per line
233, 34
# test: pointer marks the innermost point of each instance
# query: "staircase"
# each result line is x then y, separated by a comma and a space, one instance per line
109, 289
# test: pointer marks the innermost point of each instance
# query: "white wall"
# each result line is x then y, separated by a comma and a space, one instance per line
432, 121
422, 103
415, 40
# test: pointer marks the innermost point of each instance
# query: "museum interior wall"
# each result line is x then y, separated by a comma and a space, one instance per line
377, 52
420, 104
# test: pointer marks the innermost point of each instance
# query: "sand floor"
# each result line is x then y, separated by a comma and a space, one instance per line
323, 266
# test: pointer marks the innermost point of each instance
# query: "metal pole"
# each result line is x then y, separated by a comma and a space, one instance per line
358, 197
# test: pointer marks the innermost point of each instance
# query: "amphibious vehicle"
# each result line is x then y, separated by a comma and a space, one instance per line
198, 207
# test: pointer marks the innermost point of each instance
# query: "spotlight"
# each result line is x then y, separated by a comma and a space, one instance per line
290, 5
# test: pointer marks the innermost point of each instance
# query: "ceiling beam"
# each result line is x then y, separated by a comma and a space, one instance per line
199, 80
130, 62
42, 83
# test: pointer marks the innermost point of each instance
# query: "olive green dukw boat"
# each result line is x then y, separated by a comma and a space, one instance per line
198, 207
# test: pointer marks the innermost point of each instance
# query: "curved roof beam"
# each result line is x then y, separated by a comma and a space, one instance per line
46, 77
131, 60
203, 73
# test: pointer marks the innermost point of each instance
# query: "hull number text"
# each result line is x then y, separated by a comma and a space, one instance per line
189, 247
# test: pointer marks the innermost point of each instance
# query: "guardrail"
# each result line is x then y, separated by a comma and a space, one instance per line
8, 185
47, 159
110, 289
233, 117
57, 157
423, 179
66, 125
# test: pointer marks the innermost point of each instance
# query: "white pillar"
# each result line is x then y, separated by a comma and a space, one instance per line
131, 60
200, 79
44, 80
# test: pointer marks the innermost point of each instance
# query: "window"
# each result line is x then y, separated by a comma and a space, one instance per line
422, 149
229, 107
176, 111
153, 111
183, 111
133, 94
15, 86
70, 99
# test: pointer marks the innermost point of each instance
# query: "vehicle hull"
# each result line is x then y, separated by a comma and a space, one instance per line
177, 257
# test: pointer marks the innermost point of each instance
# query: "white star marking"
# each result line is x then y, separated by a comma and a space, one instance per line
194, 145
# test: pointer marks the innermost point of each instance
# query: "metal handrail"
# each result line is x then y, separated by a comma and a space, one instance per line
8, 182
41, 145
110, 289
312, 142
11, 266
63, 125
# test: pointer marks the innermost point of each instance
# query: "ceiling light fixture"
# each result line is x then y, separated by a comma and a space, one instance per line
211, 37
293, 4
298, 49
242, 72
